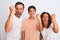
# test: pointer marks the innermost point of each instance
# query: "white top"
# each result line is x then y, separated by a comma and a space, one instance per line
46, 33
15, 32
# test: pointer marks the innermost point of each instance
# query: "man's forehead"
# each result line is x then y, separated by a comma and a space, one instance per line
19, 6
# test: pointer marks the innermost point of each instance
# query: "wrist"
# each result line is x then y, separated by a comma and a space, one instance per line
53, 20
39, 20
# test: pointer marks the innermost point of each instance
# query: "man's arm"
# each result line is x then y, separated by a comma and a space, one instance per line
55, 25
9, 21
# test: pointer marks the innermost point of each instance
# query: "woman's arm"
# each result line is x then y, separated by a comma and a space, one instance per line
55, 25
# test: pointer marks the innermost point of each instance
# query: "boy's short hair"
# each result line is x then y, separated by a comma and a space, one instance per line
31, 7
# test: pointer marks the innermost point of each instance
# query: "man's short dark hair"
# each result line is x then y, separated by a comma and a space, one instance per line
31, 7
19, 3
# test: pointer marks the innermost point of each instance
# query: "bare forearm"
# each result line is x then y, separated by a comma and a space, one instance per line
8, 23
41, 36
55, 28
39, 22
23, 35
40, 25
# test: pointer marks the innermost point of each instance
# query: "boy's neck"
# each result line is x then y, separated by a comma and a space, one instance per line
31, 18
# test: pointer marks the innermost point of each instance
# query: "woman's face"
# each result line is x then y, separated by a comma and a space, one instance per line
45, 19
32, 12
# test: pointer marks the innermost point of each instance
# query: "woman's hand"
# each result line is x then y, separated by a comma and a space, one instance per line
53, 16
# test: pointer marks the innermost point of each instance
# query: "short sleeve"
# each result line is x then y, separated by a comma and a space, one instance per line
23, 26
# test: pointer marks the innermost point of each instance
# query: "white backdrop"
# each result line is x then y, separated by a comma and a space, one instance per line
51, 6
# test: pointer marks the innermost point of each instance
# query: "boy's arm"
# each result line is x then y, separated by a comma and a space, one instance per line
39, 22
23, 35
23, 31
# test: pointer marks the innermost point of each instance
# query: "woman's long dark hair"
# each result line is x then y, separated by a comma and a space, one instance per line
49, 17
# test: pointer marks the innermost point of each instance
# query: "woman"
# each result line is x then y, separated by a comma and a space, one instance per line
49, 24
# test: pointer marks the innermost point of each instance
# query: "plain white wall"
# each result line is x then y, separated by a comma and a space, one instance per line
51, 6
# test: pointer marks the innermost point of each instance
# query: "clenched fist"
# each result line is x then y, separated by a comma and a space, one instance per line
12, 9
38, 16
53, 17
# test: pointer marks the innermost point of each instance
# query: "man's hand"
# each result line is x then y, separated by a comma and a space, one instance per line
12, 9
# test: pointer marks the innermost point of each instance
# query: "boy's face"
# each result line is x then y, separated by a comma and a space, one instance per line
32, 12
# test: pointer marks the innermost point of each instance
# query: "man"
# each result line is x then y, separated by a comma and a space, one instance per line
13, 24
31, 25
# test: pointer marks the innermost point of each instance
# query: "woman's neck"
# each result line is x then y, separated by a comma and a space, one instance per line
46, 25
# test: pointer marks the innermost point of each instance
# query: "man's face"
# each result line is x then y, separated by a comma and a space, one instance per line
32, 12
19, 9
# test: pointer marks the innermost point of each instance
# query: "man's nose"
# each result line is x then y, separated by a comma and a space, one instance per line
19, 10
